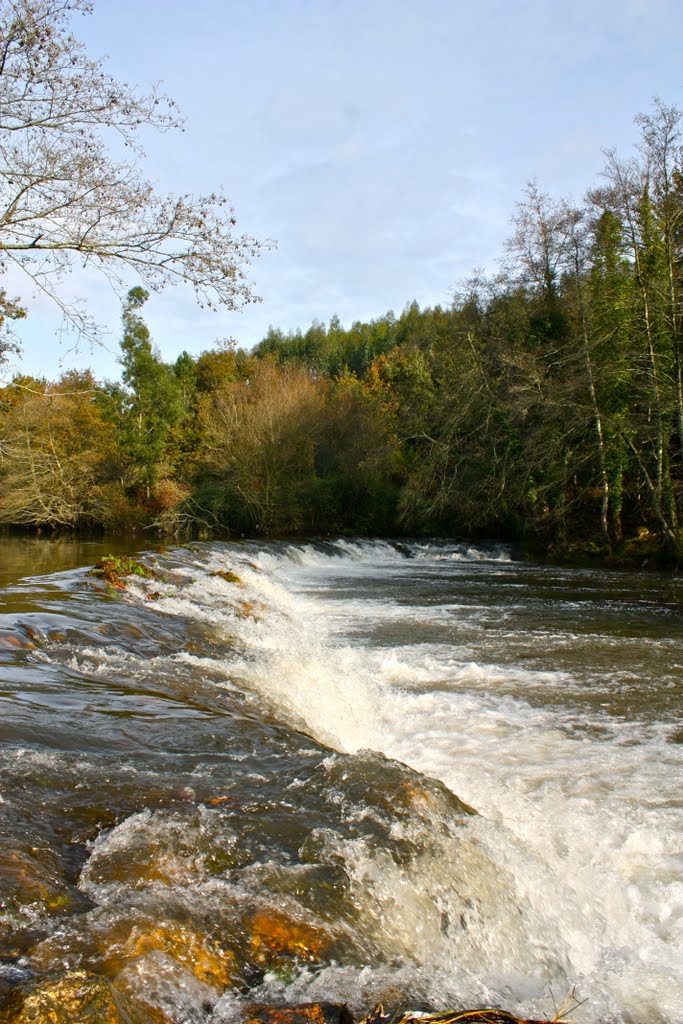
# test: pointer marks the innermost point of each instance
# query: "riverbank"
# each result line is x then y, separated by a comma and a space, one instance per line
645, 552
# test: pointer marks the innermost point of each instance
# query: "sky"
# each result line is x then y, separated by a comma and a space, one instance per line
382, 144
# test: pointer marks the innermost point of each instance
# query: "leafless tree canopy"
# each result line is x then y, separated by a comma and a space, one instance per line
64, 200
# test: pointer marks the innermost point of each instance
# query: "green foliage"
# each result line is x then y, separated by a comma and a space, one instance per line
227, 575
546, 402
59, 463
111, 569
152, 399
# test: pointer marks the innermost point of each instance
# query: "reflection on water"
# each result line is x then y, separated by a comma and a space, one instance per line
34, 556
218, 791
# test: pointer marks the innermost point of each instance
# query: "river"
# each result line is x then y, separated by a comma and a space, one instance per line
429, 774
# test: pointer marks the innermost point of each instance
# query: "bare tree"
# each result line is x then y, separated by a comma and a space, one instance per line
65, 200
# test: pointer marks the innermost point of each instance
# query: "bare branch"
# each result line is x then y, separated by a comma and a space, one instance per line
65, 202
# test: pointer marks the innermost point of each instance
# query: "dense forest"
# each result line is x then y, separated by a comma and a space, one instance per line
545, 403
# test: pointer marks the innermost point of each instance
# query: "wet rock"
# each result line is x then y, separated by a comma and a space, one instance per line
305, 1013
155, 849
166, 988
420, 796
197, 954
28, 877
11, 993
113, 568
402, 549
32, 889
393, 789
225, 800
277, 939
12, 641
250, 610
16, 939
80, 998
229, 577
111, 948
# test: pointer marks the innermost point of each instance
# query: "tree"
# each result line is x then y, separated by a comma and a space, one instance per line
357, 461
152, 403
610, 301
259, 445
628, 195
217, 366
58, 457
9, 310
65, 200
662, 132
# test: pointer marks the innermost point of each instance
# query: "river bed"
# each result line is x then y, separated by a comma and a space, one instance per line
427, 773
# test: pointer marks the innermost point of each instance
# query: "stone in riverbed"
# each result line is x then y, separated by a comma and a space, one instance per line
80, 998
31, 877
208, 962
117, 947
32, 890
305, 1013
112, 569
11, 993
277, 939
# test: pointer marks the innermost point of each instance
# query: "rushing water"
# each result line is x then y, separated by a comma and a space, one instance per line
197, 754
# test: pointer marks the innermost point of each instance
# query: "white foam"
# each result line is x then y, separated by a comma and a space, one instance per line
584, 828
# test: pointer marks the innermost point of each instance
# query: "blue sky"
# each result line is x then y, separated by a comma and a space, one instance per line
381, 144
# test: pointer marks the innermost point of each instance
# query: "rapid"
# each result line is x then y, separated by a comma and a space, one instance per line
454, 776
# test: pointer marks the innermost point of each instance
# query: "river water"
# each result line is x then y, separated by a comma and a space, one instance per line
451, 777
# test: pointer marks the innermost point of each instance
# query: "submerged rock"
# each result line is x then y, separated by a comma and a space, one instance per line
11, 993
162, 849
12, 641
30, 877
305, 1013
32, 890
402, 549
80, 998
277, 939
393, 789
166, 988
208, 962
113, 949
